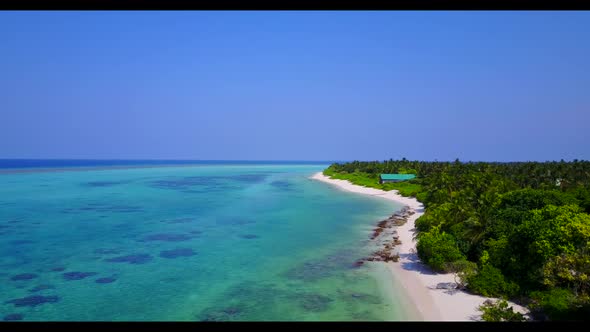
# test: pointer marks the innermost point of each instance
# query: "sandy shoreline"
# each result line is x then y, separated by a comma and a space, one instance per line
415, 278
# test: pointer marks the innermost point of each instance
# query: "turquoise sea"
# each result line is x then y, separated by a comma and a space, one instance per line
213, 241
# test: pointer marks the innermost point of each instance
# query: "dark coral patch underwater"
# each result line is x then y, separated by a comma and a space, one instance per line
33, 301
21, 242
107, 251
231, 313
41, 288
168, 237
104, 183
178, 221
12, 317
261, 300
24, 276
249, 236
368, 298
178, 252
57, 269
314, 302
248, 178
233, 221
78, 275
104, 208
216, 183
131, 259
105, 280
322, 267
185, 183
283, 185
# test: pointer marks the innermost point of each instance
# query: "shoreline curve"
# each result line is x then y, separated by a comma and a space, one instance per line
417, 279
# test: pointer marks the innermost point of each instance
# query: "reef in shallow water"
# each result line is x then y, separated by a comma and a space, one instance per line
131, 259
41, 288
24, 276
314, 302
33, 301
320, 268
107, 251
105, 280
13, 317
178, 221
77, 275
249, 236
57, 269
167, 237
233, 221
178, 252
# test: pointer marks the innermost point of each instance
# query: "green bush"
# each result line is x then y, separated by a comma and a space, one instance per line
500, 312
557, 303
421, 196
436, 248
405, 188
489, 281
530, 199
462, 270
424, 223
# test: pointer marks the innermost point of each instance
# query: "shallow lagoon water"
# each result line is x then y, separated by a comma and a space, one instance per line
209, 242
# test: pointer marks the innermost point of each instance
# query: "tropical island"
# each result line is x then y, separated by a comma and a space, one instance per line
518, 232
200, 166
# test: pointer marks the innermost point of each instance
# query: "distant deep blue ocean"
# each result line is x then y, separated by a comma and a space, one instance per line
193, 241
76, 163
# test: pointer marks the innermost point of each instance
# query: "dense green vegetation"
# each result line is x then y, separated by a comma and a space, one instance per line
500, 312
371, 180
524, 225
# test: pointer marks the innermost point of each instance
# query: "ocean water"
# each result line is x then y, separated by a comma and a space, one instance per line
207, 242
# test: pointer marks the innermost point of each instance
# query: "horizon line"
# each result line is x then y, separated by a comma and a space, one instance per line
292, 160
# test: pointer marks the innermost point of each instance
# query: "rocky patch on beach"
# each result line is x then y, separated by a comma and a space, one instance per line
397, 219
386, 233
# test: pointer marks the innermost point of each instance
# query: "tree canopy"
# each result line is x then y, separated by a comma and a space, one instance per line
525, 224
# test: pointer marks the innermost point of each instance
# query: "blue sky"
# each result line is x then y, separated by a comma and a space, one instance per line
339, 85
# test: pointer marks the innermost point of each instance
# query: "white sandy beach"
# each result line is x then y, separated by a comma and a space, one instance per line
416, 278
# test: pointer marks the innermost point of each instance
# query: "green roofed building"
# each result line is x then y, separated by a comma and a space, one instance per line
395, 177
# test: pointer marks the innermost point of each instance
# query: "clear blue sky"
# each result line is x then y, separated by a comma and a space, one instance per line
295, 85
